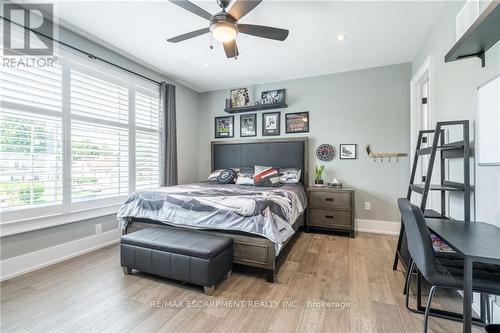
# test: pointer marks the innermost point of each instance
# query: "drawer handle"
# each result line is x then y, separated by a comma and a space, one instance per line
328, 199
329, 217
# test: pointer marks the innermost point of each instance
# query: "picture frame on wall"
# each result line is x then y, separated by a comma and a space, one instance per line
271, 123
297, 122
224, 127
248, 125
239, 97
273, 96
347, 151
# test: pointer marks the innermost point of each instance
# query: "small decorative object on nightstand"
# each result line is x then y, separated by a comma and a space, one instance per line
330, 208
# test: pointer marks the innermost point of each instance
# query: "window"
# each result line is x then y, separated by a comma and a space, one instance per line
30, 138
99, 138
75, 136
147, 146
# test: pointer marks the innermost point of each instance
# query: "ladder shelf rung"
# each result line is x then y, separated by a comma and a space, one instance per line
453, 145
420, 188
432, 214
452, 149
424, 151
417, 188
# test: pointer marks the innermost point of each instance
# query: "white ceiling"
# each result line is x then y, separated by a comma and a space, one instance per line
378, 33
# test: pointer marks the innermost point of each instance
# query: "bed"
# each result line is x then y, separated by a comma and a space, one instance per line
233, 210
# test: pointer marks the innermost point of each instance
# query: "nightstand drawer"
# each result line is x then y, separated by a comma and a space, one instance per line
329, 200
328, 218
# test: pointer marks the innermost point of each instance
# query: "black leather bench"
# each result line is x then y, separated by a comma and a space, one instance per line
185, 255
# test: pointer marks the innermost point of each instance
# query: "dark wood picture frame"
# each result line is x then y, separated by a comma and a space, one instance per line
355, 151
304, 114
281, 93
248, 116
217, 134
243, 91
273, 132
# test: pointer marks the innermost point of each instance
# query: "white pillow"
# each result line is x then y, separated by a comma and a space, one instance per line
290, 175
216, 173
244, 180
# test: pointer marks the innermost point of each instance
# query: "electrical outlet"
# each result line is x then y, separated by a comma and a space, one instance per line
368, 205
98, 228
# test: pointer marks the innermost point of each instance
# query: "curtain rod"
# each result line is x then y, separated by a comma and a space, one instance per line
90, 55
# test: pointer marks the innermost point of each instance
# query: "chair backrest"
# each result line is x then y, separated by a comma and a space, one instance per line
418, 237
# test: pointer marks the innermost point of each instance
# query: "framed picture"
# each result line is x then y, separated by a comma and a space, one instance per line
273, 96
297, 122
224, 127
239, 98
271, 123
248, 125
347, 151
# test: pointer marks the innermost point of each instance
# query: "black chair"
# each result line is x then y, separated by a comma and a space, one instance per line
440, 273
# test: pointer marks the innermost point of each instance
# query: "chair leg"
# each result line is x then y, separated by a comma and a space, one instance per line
408, 273
407, 284
428, 308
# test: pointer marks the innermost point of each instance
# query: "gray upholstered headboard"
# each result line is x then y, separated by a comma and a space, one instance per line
281, 153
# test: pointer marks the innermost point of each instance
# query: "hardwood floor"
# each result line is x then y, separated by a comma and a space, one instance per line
327, 283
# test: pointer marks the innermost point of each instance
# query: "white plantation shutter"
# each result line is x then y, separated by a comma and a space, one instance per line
30, 160
99, 138
147, 141
99, 161
147, 160
97, 98
30, 137
36, 87
78, 135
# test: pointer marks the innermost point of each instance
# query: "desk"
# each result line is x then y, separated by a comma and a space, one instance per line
477, 242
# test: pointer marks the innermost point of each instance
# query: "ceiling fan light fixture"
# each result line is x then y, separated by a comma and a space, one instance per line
224, 31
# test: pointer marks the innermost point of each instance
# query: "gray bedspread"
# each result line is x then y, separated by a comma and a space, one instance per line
264, 211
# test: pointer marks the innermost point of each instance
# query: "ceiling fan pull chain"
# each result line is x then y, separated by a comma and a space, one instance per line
211, 42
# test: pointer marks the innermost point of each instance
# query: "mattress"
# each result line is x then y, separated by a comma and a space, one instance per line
265, 211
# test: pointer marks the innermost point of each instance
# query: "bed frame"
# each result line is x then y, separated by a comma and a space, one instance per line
252, 250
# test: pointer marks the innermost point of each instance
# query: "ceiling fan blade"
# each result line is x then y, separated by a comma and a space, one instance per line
188, 35
192, 8
243, 7
263, 31
231, 49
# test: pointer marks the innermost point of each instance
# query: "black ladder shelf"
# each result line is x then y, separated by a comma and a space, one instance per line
459, 149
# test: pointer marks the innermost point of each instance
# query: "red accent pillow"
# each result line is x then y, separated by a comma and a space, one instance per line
267, 177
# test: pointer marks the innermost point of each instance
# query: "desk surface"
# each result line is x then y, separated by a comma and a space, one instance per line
473, 239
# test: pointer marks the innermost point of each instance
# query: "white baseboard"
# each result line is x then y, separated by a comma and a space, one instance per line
29, 262
378, 227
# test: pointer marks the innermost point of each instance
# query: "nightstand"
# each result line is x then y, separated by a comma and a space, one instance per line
330, 208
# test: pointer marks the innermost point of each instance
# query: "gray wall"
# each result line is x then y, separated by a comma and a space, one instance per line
187, 118
364, 107
452, 97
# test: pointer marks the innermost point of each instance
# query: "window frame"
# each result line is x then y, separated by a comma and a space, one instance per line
33, 218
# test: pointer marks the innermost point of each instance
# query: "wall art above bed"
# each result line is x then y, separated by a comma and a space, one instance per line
248, 125
271, 123
224, 127
297, 122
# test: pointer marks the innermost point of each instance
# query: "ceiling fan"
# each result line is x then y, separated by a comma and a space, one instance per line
224, 25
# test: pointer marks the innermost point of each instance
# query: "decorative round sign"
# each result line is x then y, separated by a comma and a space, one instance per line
325, 152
